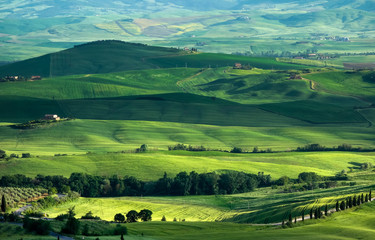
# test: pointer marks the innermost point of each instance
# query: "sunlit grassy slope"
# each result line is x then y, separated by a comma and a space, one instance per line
261, 206
151, 166
351, 224
360, 84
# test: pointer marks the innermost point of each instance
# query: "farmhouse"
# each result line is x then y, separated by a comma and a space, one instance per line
237, 66
51, 117
36, 78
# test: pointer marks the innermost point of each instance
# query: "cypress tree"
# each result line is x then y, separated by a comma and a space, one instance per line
366, 198
326, 210
316, 213
350, 202
362, 198
3, 204
295, 219
342, 206
347, 203
303, 215
369, 196
311, 213
358, 201
354, 201
337, 206
290, 218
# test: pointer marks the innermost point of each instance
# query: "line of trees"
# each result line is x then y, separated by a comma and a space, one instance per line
144, 215
319, 212
314, 147
181, 185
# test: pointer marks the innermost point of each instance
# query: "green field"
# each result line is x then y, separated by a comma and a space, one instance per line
351, 224
261, 206
151, 166
163, 97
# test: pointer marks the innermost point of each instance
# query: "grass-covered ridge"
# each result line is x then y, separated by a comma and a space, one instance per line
114, 56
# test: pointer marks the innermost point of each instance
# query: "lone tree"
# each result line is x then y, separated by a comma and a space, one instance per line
163, 219
119, 218
132, 216
3, 204
145, 215
326, 210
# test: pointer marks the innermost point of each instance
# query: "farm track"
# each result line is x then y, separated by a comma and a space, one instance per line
179, 83
123, 29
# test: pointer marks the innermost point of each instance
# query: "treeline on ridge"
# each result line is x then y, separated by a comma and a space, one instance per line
182, 184
314, 147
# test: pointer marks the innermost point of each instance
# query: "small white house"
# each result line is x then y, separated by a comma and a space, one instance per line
51, 117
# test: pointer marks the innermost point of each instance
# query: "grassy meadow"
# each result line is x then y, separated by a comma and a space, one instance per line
350, 224
151, 166
163, 97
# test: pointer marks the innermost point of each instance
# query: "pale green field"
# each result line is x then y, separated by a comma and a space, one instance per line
151, 166
116, 135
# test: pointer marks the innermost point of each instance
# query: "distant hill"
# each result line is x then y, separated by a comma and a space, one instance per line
95, 57
115, 56
30, 29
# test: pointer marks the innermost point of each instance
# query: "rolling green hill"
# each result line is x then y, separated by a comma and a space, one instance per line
352, 224
115, 56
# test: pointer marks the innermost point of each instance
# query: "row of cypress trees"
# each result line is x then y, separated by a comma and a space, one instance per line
315, 213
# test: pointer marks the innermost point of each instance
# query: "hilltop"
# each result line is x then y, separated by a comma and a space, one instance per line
115, 56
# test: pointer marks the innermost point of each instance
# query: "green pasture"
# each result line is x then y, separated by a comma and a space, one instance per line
101, 85
264, 205
151, 166
360, 84
156, 95
350, 224
81, 136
